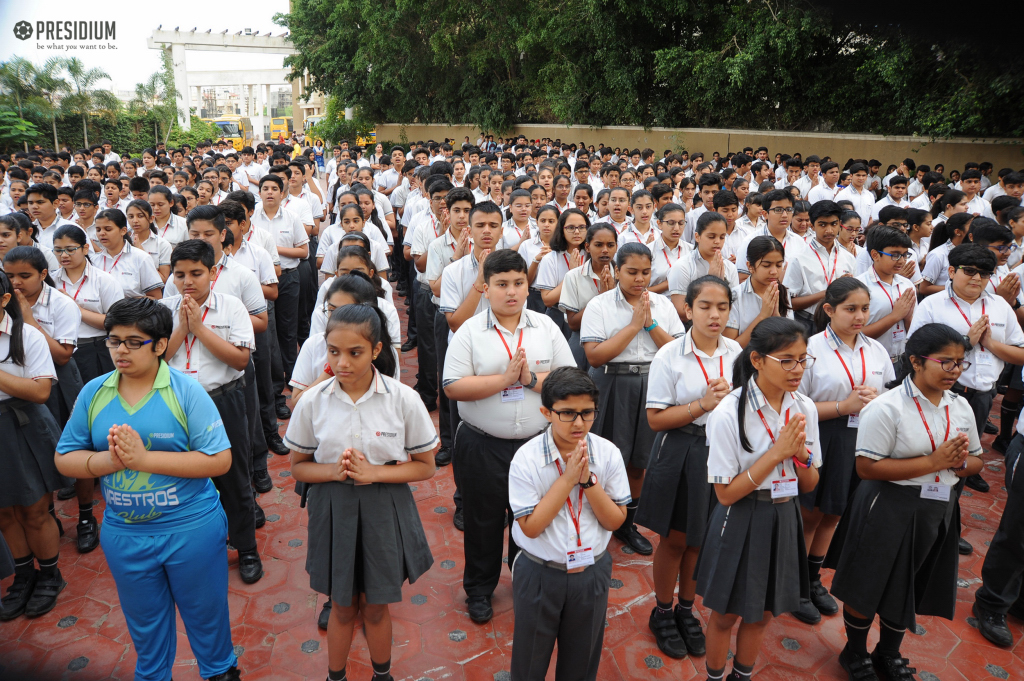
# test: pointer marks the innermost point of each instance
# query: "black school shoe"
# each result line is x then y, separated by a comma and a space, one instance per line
325, 616
283, 412
892, 667
977, 483
990, 428
443, 457
277, 445
631, 537
859, 668
44, 595
458, 521
250, 566
992, 626
12, 605
666, 634
822, 599
230, 675
479, 609
88, 535
261, 481
689, 628
964, 547
66, 493
807, 612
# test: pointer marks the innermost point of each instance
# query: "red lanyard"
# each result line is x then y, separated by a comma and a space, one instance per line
166, 227
216, 275
189, 346
772, 436
968, 320
828, 278
565, 256
575, 518
507, 348
721, 372
433, 225
664, 252
125, 248
64, 287
863, 368
929, 430
892, 305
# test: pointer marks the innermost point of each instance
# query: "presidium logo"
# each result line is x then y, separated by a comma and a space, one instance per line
67, 30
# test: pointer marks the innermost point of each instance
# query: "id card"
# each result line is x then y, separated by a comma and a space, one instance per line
853, 421
191, 373
899, 334
982, 357
578, 557
784, 487
935, 490
513, 393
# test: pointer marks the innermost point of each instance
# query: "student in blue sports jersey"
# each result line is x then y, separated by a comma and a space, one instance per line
154, 438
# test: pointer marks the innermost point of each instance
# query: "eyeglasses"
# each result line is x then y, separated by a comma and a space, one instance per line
790, 364
575, 228
70, 250
1003, 249
950, 364
568, 415
896, 256
779, 210
975, 272
82, 205
130, 343
672, 223
901, 225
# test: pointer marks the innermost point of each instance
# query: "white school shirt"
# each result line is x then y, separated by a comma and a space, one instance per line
38, 362
387, 179
609, 313
318, 321
863, 202
663, 257
264, 240
993, 192
735, 240
158, 249
804, 185
227, 317
892, 428
388, 423
678, 372
822, 192
421, 240
477, 350
256, 171
95, 291
693, 266
529, 250
285, 227
534, 471
233, 279
883, 298
814, 268
631, 235
792, 244
727, 459
299, 205
746, 305
579, 287
57, 315
690, 230
948, 308
552, 270
936, 266
980, 206
257, 261
132, 268
828, 379
45, 234
175, 231
330, 254
885, 202
440, 254
456, 282
313, 356
922, 202
511, 235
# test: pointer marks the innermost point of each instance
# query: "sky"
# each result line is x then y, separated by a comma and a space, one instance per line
131, 61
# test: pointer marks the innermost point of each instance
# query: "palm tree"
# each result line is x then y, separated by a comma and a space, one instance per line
16, 78
147, 96
50, 89
85, 98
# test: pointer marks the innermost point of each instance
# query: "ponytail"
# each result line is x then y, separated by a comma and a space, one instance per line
16, 350
836, 293
374, 327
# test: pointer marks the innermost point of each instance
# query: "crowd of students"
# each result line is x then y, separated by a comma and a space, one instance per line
776, 367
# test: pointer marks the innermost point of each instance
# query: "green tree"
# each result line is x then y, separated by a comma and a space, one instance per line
85, 98
15, 130
16, 76
50, 87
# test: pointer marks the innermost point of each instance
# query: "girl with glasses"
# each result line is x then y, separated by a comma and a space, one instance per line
689, 378
895, 551
566, 254
763, 452
581, 285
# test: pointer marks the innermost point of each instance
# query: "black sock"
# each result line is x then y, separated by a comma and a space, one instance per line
25, 566
84, 512
890, 637
48, 566
715, 674
630, 514
664, 607
381, 670
336, 675
814, 568
685, 608
856, 633
1007, 415
742, 671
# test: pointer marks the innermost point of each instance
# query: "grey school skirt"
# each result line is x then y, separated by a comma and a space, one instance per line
93, 358
676, 493
364, 539
838, 477
29, 436
64, 393
622, 415
578, 354
753, 558
895, 554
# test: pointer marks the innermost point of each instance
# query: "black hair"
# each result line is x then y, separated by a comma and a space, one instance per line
47, 191
631, 248
208, 213
76, 234
558, 242
822, 209
770, 335
486, 207
706, 219
565, 382
881, 237
951, 197
776, 195
31, 255
272, 178
195, 250
757, 249
944, 231
16, 349
924, 342
145, 208
364, 256
147, 315
723, 198
116, 217
973, 255
899, 179
366, 315
987, 231
836, 294
503, 260
461, 194
245, 198
697, 285
597, 227
643, 193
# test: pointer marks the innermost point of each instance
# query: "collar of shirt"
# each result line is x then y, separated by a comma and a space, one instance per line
757, 401
836, 343
5, 325
687, 347
550, 451
377, 386
911, 390
524, 322
162, 380
958, 300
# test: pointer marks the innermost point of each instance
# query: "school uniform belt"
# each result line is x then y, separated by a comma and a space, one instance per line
803, 314
285, 270
627, 368
91, 341
228, 387
766, 495
693, 429
560, 566
480, 431
967, 392
17, 407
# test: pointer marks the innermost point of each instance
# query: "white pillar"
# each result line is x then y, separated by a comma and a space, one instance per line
181, 85
260, 99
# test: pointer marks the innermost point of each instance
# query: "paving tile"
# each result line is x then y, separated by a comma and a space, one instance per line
85, 658
455, 637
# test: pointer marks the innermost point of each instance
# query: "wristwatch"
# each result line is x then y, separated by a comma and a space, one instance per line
533, 381
590, 483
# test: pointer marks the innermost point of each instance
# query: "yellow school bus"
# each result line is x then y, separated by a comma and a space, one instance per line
368, 143
235, 129
281, 126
